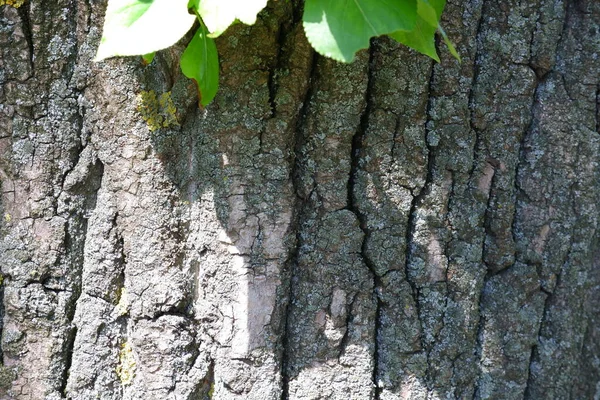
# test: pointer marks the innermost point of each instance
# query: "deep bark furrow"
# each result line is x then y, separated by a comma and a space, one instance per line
598, 109
355, 156
411, 226
299, 205
24, 12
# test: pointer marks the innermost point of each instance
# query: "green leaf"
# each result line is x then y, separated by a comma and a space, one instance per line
135, 27
339, 28
421, 38
219, 14
431, 11
147, 58
200, 62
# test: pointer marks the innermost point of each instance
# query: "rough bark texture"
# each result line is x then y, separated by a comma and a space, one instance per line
389, 229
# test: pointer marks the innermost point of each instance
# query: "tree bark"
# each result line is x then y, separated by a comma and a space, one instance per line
389, 229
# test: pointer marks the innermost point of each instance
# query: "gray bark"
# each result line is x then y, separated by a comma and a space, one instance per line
389, 229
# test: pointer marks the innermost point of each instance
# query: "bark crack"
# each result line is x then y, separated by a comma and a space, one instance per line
412, 216
24, 12
476, 158
298, 207
598, 109
357, 142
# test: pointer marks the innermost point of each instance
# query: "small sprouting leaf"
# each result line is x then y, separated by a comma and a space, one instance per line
135, 27
451, 47
421, 38
147, 58
219, 14
339, 28
200, 62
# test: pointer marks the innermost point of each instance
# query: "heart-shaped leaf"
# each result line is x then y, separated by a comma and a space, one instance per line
339, 28
135, 27
219, 14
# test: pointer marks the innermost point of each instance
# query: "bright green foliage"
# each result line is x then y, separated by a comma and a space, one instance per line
147, 58
422, 36
219, 14
335, 28
339, 28
200, 62
431, 11
135, 27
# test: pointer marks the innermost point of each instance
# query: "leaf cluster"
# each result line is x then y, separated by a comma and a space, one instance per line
335, 29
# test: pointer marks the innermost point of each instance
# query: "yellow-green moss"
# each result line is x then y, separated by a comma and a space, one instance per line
157, 111
14, 3
126, 368
122, 302
211, 391
7, 216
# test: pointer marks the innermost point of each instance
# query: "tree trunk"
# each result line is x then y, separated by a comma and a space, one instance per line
388, 229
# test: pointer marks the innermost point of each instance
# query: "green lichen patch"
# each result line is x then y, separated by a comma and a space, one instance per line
14, 3
157, 111
126, 368
7, 375
122, 306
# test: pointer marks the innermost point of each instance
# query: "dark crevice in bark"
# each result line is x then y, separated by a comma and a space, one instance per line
174, 312
24, 12
534, 353
292, 264
487, 231
2, 312
68, 353
74, 247
120, 281
357, 142
521, 159
598, 109
471, 95
411, 225
478, 155
417, 201
349, 319
204, 390
298, 207
298, 10
393, 149
272, 83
